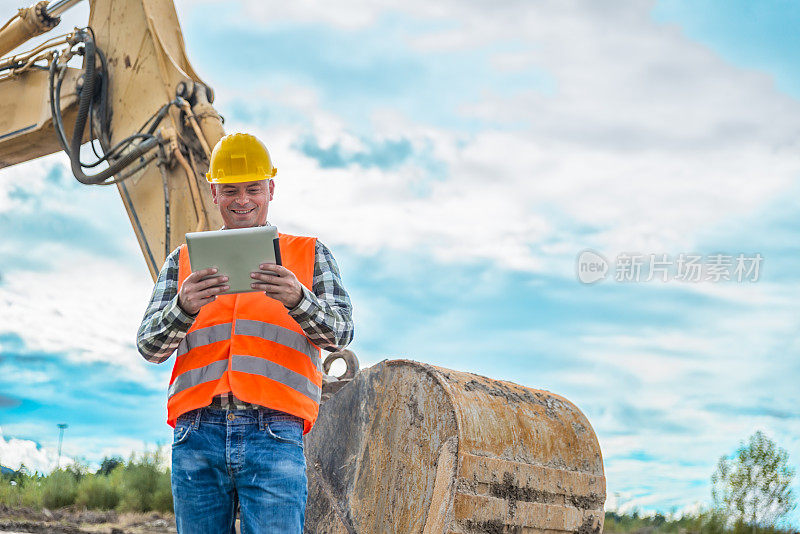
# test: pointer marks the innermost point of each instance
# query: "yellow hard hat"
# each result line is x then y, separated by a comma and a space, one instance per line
238, 158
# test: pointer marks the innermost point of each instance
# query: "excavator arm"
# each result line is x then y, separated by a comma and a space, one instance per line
147, 113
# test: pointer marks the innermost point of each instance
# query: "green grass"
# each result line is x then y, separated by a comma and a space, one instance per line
138, 485
706, 522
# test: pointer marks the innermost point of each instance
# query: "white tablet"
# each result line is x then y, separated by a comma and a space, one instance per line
236, 253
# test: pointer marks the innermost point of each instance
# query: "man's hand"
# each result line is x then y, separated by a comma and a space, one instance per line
279, 283
196, 292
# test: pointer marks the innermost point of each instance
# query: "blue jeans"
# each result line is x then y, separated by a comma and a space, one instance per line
253, 457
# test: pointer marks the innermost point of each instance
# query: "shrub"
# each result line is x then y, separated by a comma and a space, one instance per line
162, 500
710, 522
140, 485
144, 485
97, 493
59, 489
30, 492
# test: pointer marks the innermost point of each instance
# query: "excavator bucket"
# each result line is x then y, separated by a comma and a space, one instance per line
407, 447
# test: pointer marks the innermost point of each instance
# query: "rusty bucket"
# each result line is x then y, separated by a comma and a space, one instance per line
407, 447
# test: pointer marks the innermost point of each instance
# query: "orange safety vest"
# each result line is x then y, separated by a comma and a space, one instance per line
247, 343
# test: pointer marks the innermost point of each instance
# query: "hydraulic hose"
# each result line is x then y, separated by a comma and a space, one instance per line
86, 96
55, 108
164, 183
58, 120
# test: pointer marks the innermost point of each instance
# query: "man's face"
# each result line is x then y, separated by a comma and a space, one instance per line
244, 204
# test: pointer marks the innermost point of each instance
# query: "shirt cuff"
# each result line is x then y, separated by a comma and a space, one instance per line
175, 315
306, 307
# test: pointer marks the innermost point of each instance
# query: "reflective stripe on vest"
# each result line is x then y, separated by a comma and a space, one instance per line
204, 336
259, 366
280, 335
248, 344
201, 375
247, 364
244, 327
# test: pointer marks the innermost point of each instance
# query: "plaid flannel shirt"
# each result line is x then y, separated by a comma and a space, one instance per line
324, 314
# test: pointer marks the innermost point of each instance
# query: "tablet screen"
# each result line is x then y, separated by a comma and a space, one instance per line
236, 253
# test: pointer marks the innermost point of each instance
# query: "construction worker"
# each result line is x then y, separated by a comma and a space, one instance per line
247, 377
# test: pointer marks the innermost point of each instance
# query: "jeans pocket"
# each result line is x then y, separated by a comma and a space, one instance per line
181, 433
287, 431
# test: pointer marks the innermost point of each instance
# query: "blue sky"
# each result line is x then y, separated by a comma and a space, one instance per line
457, 158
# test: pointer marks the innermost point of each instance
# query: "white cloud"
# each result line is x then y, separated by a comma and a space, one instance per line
348, 15
643, 154
117, 446
16, 452
646, 153
89, 310
64, 292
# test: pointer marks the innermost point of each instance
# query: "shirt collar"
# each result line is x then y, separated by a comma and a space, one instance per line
265, 224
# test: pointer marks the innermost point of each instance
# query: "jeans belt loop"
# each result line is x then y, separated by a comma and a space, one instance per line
261, 424
198, 415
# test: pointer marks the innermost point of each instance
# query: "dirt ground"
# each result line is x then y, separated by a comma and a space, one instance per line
74, 521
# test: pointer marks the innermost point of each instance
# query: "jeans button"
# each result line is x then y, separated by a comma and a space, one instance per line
231, 417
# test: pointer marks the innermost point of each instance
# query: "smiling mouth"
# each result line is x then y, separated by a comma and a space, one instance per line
242, 212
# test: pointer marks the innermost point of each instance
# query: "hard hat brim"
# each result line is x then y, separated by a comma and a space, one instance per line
239, 178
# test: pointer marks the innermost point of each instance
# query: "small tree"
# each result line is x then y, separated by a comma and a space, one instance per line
754, 486
108, 465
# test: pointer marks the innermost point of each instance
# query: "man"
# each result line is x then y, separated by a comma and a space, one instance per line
247, 376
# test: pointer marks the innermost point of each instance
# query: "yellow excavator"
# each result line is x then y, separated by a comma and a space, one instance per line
399, 447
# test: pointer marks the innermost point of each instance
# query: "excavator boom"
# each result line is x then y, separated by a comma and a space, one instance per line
143, 74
